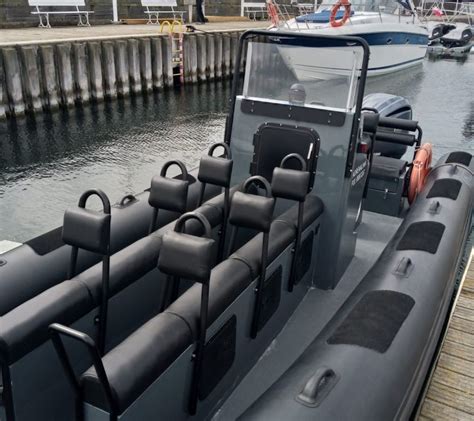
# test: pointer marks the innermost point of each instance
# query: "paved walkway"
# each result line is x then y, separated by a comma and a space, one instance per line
450, 395
73, 33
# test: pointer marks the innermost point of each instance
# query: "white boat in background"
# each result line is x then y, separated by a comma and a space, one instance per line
396, 36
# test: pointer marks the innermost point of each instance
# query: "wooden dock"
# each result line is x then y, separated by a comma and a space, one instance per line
450, 394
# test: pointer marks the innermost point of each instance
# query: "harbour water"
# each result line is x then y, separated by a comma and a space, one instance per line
48, 161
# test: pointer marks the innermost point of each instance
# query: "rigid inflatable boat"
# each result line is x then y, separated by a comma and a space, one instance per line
287, 277
450, 41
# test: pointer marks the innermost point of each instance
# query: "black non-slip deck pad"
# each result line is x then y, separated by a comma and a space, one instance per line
424, 236
374, 321
445, 187
463, 158
271, 297
219, 355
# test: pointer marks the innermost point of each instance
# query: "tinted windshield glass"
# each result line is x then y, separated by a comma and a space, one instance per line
325, 75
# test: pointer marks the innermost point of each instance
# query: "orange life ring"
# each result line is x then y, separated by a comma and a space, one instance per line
347, 13
419, 171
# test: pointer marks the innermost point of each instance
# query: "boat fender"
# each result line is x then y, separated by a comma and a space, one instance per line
347, 13
420, 169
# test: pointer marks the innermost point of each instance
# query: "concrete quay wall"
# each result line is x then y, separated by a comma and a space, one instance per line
36, 78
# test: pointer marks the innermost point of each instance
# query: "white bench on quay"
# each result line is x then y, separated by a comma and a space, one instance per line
155, 8
73, 9
254, 9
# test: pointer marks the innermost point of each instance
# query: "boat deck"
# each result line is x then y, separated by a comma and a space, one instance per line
450, 394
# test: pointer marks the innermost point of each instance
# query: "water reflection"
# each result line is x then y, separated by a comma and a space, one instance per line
48, 161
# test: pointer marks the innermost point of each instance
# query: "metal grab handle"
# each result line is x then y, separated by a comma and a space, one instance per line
95, 192
129, 198
259, 181
57, 330
180, 223
182, 167
294, 156
225, 146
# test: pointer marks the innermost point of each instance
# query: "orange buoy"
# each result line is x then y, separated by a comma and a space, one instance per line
419, 171
347, 13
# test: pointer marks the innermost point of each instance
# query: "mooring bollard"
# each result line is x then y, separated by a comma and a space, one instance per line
190, 59
201, 58
13, 81
3, 96
110, 76
145, 64
211, 56
219, 56
49, 80
234, 48
81, 73
226, 54
134, 66
167, 62
121, 68
65, 74
31, 78
95, 70
157, 62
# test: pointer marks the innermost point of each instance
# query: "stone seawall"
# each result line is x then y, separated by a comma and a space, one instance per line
34, 78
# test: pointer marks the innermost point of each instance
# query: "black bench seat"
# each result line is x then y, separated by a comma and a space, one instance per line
138, 361
26, 327
228, 280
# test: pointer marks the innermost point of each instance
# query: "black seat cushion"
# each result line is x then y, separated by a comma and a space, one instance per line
228, 280
131, 263
386, 167
313, 208
26, 327
138, 361
232, 276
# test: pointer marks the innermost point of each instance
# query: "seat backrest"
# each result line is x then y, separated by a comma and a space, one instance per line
57, 2
159, 3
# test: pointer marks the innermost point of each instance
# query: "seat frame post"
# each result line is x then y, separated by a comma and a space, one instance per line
104, 303
203, 316
223, 230
7, 393
101, 319
199, 353
296, 249
260, 286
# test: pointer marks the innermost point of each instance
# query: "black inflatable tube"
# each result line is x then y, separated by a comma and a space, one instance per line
398, 138
398, 123
371, 384
26, 273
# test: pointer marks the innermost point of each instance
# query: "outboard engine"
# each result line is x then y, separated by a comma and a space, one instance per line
457, 38
387, 105
441, 30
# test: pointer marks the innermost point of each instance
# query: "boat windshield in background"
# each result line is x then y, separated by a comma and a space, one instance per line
310, 76
379, 6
